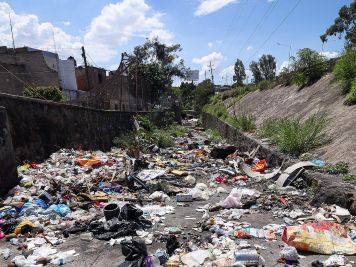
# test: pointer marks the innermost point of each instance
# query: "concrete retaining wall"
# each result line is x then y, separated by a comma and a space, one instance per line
39, 128
242, 141
8, 174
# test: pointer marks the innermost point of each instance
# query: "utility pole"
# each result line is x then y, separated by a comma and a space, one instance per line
205, 75
290, 48
211, 72
12, 33
86, 67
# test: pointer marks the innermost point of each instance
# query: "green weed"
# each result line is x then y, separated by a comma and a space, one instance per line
214, 135
294, 136
243, 122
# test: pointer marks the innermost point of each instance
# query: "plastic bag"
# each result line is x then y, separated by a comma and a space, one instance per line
135, 253
323, 237
60, 209
260, 166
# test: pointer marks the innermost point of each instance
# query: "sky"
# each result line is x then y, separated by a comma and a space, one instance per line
216, 31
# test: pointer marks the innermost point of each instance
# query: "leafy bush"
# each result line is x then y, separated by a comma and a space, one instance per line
265, 85
345, 69
308, 67
44, 92
177, 130
294, 136
218, 110
163, 138
214, 135
350, 98
351, 177
202, 94
243, 122
338, 168
125, 141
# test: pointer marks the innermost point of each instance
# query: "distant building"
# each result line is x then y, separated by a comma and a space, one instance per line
28, 66
97, 76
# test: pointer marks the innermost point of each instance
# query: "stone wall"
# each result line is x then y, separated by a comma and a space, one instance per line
242, 141
8, 174
39, 128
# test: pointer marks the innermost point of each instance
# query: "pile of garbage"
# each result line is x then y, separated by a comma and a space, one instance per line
126, 197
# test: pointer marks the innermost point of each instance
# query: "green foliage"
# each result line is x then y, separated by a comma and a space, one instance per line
214, 135
344, 24
125, 141
285, 77
350, 98
163, 138
218, 110
256, 72
187, 91
345, 69
265, 85
202, 94
243, 122
267, 65
338, 168
308, 67
157, 62
176, 130
240, 74
44, 92
294, 136
351, 177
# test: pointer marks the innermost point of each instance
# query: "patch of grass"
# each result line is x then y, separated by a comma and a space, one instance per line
125, 141
265, 85
214, 135
350, 98
294, 136
163, 138
350, 177
177, 130
218, 110
243, 122
338, 168
345, 69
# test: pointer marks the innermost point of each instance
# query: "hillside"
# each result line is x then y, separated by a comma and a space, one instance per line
323, 96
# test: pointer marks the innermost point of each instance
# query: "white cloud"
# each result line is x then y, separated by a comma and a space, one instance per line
29, 31
228, 71
66, 23
209, 6
249, 48
282, 66
329, 54
215, 58
118, 23
210, 44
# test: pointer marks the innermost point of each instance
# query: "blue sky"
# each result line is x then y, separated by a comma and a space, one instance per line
208, 30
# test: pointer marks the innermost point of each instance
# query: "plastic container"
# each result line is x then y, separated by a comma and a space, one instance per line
111, 211
247, 257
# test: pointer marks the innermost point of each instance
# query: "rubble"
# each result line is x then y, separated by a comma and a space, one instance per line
128, 198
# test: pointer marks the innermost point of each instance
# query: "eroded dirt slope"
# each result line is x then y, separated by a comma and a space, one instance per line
323, 96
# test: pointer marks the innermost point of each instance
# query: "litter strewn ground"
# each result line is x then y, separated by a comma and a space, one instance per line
196, 204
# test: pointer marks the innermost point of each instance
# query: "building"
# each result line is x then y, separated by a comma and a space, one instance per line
97, 76
25, 66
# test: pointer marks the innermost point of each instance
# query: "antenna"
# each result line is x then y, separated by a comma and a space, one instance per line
12, 33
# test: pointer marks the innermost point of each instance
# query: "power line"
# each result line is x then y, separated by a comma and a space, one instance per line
276, 29
264, 16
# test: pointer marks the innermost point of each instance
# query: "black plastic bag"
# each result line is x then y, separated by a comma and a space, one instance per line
135, 253
172, 244
129, 212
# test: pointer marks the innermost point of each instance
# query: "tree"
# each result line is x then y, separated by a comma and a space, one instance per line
187, 90
202, 93
240, 74
267, 66
158, 63
308, 67
44, 92
257, 75
344, 24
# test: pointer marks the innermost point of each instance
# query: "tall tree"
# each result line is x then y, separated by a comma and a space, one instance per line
257, 75
344, 24
267, 66
158, 63
240, 74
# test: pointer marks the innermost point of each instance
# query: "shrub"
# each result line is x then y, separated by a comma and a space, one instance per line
265, 85
163, 138
243, 122
218, 110
338, 168
202, 94
294, 136
350, 98
125, 141
285, 77
345, 69
214, 135
308, 67
44, 92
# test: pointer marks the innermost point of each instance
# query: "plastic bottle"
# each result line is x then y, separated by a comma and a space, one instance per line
247, 257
